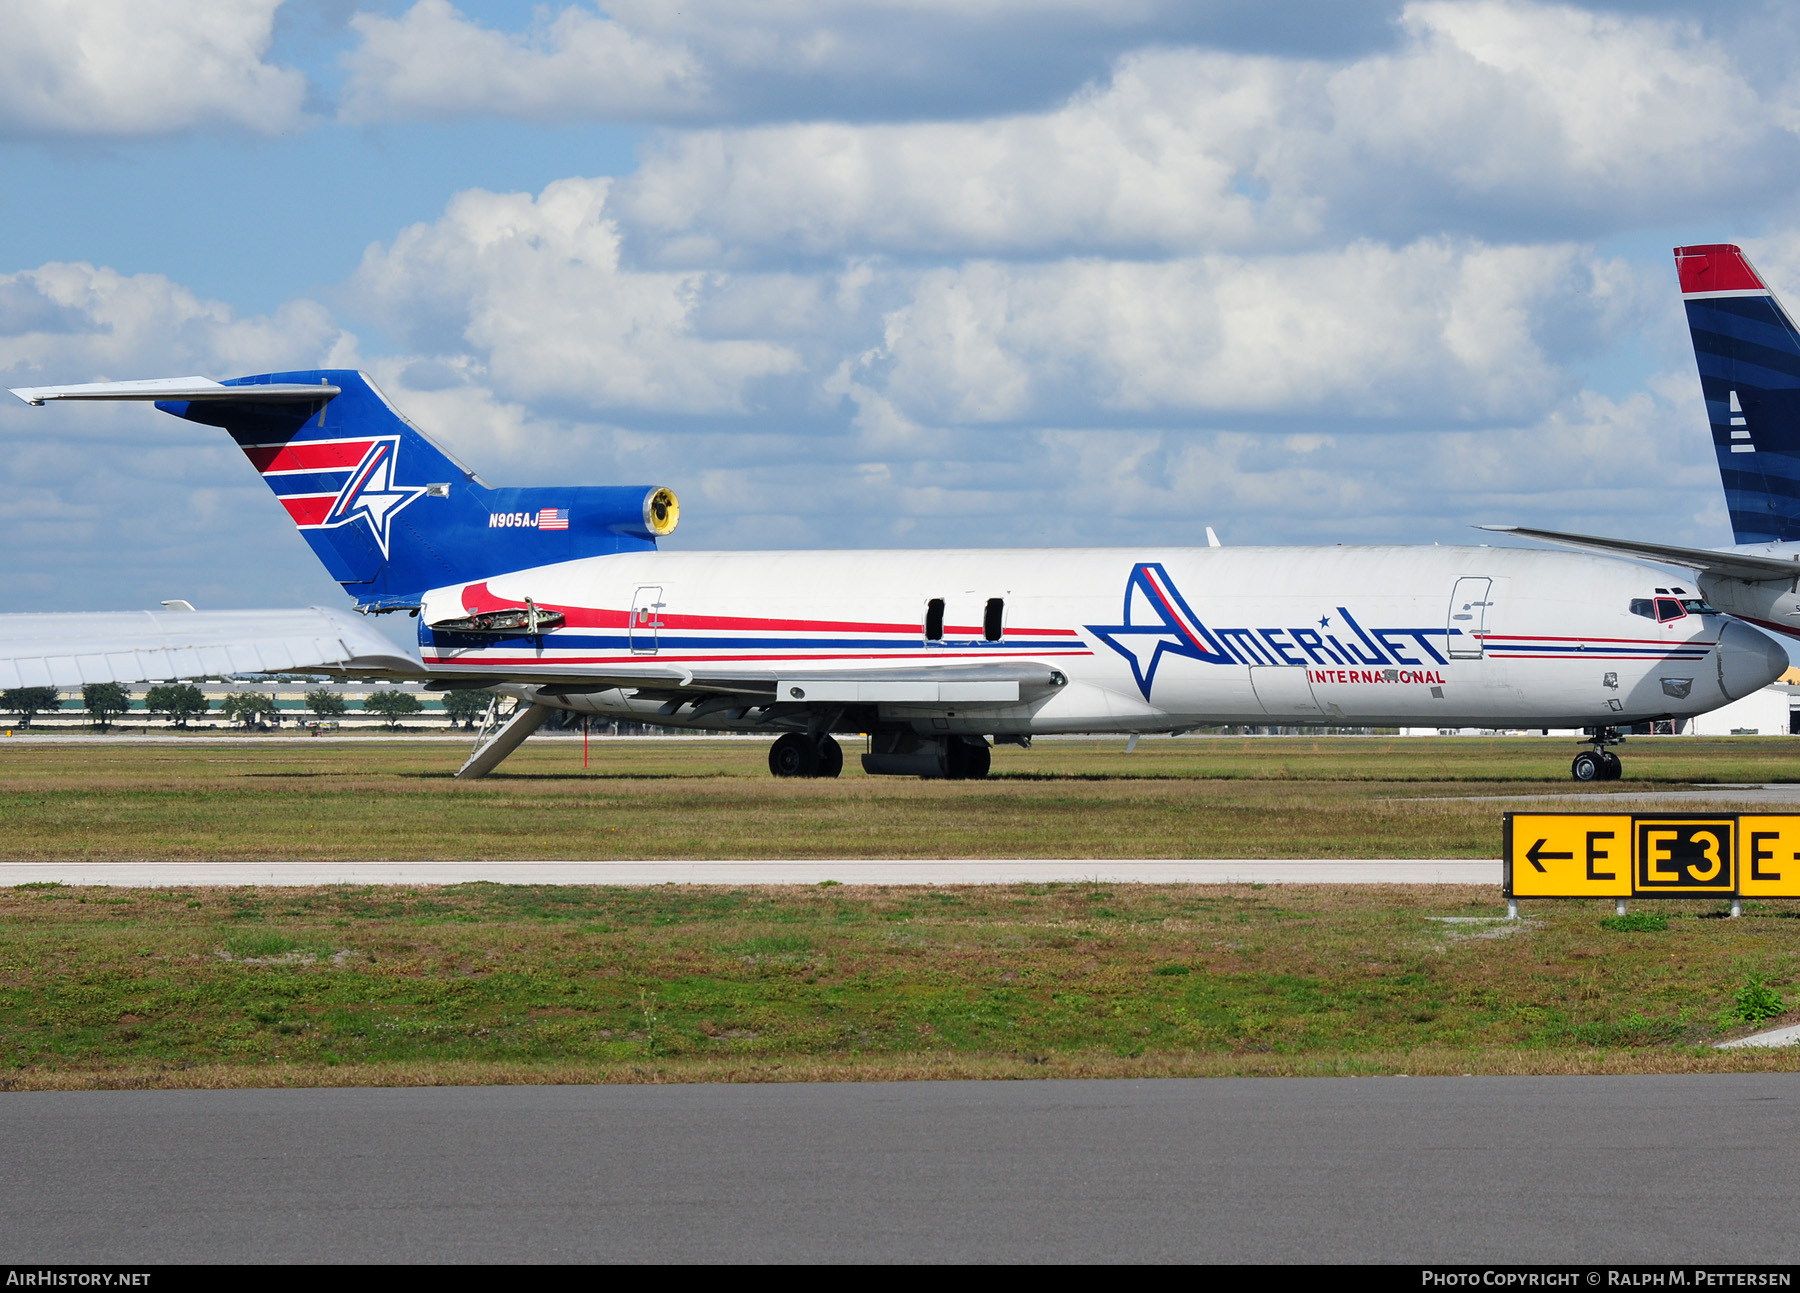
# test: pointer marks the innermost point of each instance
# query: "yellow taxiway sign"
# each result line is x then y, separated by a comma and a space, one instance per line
1643, 855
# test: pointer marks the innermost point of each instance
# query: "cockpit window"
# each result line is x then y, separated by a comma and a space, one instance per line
1667, 608
1698, 606
1643, 606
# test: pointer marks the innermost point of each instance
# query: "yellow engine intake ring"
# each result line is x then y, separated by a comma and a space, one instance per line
661, 511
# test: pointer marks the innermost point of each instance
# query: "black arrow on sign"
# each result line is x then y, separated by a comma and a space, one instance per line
1536, 852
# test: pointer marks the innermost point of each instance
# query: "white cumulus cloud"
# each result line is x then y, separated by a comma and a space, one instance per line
64, 323
142, 67
534, 289
1437, 329
433, 62
1488, 115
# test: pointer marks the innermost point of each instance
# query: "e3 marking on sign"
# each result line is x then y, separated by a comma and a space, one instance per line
1687, 856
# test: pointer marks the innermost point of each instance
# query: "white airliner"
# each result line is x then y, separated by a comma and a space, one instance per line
558, 598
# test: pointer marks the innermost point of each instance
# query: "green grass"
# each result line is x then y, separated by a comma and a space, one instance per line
1636, 922
479, 983
1286, 797
488, 982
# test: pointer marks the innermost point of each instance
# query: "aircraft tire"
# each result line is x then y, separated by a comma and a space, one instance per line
794, 755
1587, 766
966, 759
830, 757
979, 759
1613, 767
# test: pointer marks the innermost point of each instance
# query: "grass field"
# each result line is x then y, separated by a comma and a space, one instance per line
480, 983
1282, 797
512, 983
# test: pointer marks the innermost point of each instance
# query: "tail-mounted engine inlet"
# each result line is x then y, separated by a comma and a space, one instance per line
662, 510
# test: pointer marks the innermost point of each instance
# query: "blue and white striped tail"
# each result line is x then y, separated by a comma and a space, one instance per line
1748, 351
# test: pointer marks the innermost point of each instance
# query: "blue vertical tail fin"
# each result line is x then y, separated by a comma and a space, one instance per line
1748, 352
389, 512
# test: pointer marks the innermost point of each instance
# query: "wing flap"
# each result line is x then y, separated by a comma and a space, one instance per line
923, 691
1732, 565
150, 646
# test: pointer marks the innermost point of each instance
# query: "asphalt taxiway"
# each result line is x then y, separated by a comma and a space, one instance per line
770, 871
1589, 1170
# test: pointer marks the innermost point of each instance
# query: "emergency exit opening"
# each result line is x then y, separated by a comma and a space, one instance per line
993, 619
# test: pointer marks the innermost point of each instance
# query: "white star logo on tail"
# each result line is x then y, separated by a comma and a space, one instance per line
371, 493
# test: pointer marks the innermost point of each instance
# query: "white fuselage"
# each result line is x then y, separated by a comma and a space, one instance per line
1147, 640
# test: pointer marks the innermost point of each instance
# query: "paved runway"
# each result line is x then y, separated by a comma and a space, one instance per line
801, 871
1587, 1170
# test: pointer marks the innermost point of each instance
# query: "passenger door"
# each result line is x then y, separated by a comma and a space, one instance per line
1468, 622
644, 627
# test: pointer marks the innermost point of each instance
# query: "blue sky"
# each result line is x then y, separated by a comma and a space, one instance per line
911, 273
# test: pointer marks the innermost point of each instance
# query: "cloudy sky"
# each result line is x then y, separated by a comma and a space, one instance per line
892, 273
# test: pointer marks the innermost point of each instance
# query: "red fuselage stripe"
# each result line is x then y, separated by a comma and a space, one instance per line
659, 657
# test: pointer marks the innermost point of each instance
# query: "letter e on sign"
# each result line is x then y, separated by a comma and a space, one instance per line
1575, 855
1769, 857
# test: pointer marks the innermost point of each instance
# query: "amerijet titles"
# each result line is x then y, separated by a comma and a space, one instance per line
1158, 622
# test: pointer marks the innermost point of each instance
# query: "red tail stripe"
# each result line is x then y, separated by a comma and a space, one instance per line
308, 457
309, 510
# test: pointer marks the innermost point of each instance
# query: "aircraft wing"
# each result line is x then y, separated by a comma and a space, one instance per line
1732, 565
52, 650
717, 685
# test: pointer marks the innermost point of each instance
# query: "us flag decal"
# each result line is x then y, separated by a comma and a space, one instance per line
553, 518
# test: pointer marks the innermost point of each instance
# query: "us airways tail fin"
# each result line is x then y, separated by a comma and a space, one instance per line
1748, 351
388, 511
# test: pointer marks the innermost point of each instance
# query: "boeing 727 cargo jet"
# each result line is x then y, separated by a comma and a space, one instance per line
559, 598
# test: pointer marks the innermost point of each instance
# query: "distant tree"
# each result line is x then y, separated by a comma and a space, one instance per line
105, 701
247, 707
179, 701
27, 702
392, 705
465, 706
326, 703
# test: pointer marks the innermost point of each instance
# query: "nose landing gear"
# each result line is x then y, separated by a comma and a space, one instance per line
1599, 763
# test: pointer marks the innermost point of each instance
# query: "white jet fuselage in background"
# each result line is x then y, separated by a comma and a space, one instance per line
1124, 640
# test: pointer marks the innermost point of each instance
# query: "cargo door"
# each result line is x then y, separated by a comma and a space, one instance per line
1468, 624
1283, 691
644, 628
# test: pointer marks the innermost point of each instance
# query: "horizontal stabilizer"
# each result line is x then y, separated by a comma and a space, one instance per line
1732, 565
153, 646
178, 388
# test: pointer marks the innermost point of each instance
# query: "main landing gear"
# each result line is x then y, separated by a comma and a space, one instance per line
799, 755
1599, 763
902, 754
